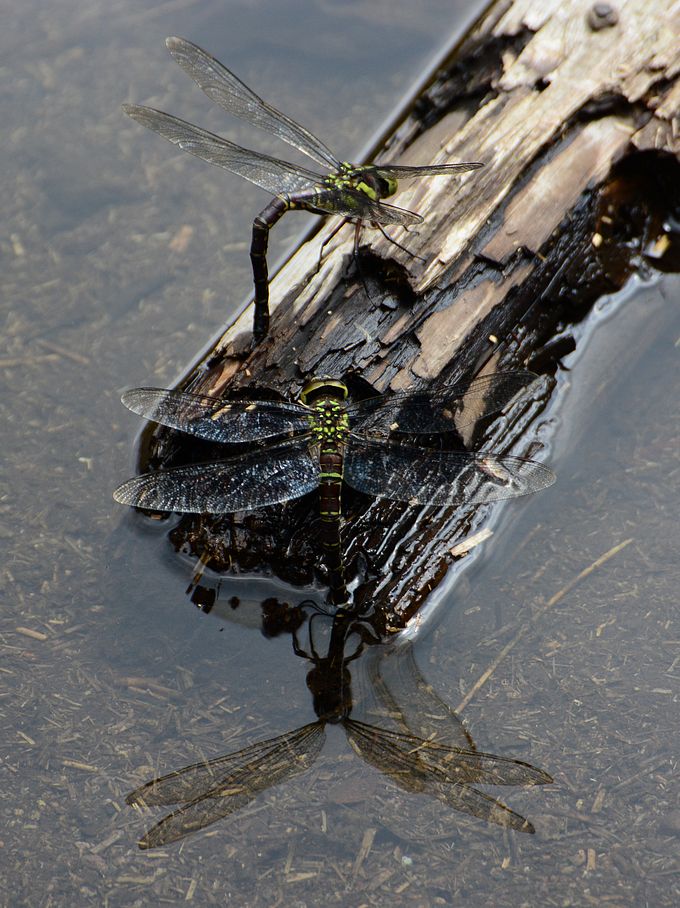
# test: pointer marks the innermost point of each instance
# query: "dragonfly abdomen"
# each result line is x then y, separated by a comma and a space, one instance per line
330, 484
330, 491
262, 224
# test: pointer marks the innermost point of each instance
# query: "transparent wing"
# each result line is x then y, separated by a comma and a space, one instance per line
445, 409
358, 206
225, 89
463, 798
440, 763
400, 172
264, 171
217, 788
217, 420
423, 767
253, 480
440, 478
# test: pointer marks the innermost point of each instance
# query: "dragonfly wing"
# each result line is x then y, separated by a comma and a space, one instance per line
450, 765
253, 770
357, 205
200, 779
467, 799
409, 762
418, 825
402, 172
193, 817
214, 419
412, 701
264, 171
225, 89
440, 478
442, 410
254, 480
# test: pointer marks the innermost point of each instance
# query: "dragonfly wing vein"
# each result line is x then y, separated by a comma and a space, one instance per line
270, 476
444, 409
268, 173
441, 478
403, 172
232, 95
214, 419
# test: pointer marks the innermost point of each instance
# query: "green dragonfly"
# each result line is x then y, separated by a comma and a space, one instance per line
321, 441
431, 753
346, 189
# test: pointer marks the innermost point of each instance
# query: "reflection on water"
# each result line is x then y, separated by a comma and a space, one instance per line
428, 753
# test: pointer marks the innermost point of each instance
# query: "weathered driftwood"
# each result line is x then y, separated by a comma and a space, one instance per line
573, 107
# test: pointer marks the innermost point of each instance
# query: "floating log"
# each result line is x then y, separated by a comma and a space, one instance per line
574, 108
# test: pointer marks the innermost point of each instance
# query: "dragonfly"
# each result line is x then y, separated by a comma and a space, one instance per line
353, 191
323, 440
432, 764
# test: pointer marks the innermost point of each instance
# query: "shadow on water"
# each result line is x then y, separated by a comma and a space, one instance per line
426, 751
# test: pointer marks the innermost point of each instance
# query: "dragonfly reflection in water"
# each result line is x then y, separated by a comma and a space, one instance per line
355, 192
326, 440
439, 761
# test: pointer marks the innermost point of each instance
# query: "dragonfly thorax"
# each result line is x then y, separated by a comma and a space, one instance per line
329, 423
328, 420
373, 183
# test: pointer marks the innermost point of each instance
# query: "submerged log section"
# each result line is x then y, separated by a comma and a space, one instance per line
557, 98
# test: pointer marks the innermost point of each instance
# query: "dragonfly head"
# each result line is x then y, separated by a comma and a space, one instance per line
323, 386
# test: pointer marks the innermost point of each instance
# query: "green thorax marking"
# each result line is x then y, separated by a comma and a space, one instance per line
373, 182
328, 420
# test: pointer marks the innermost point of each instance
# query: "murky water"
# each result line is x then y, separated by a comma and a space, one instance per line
121, 260
570, 620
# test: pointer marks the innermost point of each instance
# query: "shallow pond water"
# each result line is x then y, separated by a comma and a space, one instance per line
122, 259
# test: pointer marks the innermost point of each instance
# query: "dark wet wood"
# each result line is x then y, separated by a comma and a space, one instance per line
576, 116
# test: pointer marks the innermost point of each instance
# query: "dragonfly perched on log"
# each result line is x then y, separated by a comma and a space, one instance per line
346, 189
430, 753
323, 439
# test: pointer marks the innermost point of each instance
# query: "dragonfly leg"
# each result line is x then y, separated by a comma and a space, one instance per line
396, 243
357, 236
357, 233
258, 258
357, 259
